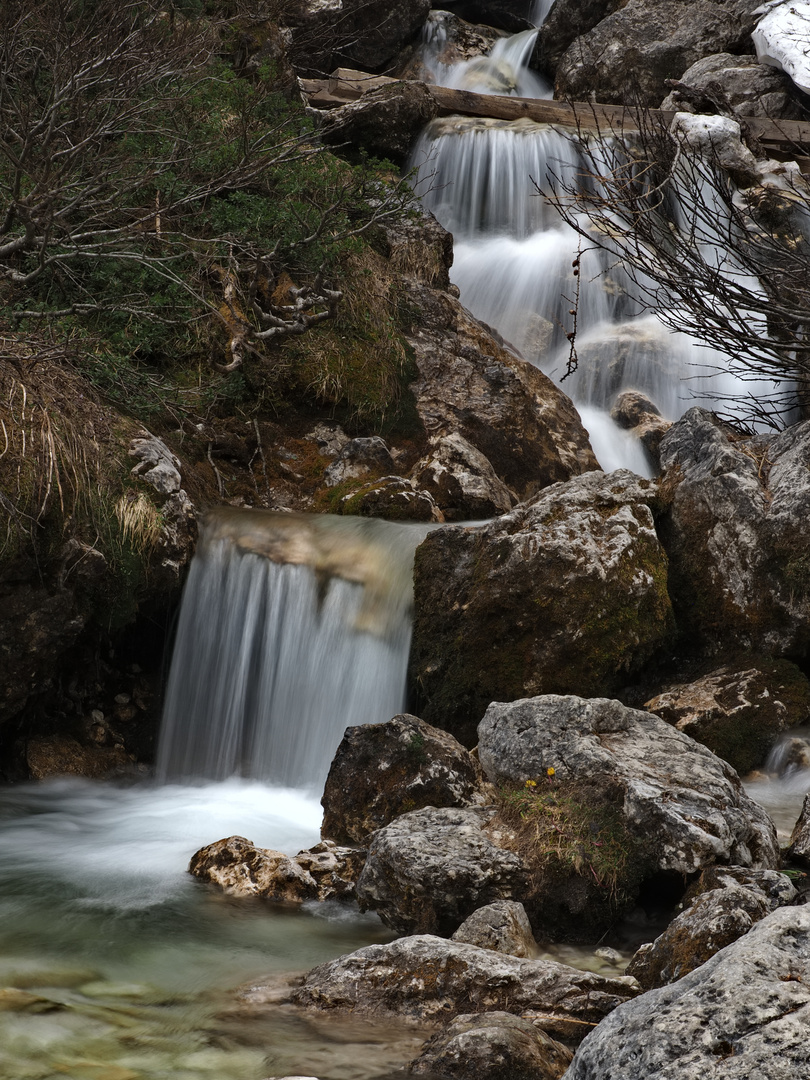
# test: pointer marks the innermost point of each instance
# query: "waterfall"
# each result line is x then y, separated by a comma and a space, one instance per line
291, 629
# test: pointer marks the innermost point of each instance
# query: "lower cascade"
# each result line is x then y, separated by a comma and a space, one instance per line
292, 628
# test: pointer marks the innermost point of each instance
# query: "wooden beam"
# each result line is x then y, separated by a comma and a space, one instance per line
346, 84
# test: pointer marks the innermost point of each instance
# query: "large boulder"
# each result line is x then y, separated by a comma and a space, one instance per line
567, 593
461, 480
365, 34
629, 55
385, 121
497, 1045
429, 870
429, 979
743, 1014
502, 926
470, 384
714, 918
740, 710
381, 771
741, 82
566, 21
684, 804
735, 534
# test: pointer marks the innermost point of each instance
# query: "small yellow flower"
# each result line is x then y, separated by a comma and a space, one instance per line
550, 770
531, 783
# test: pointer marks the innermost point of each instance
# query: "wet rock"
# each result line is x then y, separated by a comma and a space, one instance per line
635, 412
381, 771
799, 850
566, 21
742, 1014
462, 481
61, 755
429, 870
393, 498
565, 593
497, 1045
157, 465
236, 865
429, 979
685, 804
510, 15
738, 712
421, 249
364, 34
741, 82
723, 905
452, 41
736, 535
502, 926
470, 384
629, 55
358, 458
384, 121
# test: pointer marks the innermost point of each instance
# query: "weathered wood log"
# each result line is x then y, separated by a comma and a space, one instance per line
345, 84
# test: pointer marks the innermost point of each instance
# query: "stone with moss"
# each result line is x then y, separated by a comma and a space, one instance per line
565, 594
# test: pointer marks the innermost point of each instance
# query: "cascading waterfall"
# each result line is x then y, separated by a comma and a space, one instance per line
292, 628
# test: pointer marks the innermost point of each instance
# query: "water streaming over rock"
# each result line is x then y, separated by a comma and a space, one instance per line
292, 628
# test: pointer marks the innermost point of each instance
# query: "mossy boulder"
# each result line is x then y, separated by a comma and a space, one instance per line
740, 710
565, 594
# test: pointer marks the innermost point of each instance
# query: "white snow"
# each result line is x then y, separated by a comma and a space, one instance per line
782, 40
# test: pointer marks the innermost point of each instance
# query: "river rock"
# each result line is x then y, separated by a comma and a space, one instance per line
635, 412
430, 869
799, 850
736, 535
502, 926
741, 82
391, 497
725, 904
470, 384
365, 34
236, 865
381, 771
429, 979
462, 481
497, 1045
629, 55
565, 593
742, 1014
685, 804
385, 121
62, 755
358, 458
738, 711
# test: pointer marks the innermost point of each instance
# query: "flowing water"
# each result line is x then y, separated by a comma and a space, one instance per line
114, 963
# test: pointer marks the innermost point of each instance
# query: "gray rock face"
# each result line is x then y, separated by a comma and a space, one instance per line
358, 458
365, 34
743, 1015
799, 849
737, 711
504, 407
566, 21
736, 535
686, 805
629, 55
236, 865
502, 926
384, 121
157, 465
750, 88
429, 870
430, 979
497, 1045
565, 593
725, 904
381, 771
462, 481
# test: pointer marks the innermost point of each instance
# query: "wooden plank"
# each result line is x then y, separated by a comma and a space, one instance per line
346, 84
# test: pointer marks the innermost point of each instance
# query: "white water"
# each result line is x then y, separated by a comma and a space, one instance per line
273, 661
